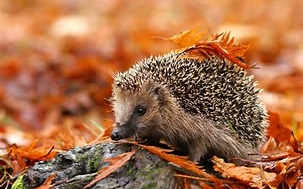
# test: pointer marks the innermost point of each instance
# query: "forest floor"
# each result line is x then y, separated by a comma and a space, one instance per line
57, 58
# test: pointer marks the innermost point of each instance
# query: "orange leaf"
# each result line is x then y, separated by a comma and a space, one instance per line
251, 176
222, 46
204, 185
289, 171
292, 175
115, 163
27, 155
202, 181
187, 38
178, 160
47, 184
32, 152
276, 129
273, 151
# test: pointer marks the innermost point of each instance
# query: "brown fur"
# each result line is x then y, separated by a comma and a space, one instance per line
166, 120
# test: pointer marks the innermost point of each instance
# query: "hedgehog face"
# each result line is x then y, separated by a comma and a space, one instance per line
136, 112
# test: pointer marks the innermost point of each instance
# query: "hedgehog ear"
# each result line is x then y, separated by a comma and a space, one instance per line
159, 93
157, 90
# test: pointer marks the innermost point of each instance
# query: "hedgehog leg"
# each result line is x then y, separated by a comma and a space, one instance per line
195, 153
152, 141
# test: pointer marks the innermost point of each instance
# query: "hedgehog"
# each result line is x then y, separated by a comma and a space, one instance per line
201, 107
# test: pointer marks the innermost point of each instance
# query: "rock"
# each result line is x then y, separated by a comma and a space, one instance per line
77, 167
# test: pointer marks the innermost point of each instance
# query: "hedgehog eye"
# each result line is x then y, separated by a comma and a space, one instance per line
140, 111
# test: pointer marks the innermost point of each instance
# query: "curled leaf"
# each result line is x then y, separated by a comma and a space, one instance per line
195, 44
223, 46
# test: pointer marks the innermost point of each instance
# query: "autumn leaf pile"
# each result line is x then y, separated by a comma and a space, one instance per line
57, 57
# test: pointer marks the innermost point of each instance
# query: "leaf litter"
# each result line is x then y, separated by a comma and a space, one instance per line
28, 104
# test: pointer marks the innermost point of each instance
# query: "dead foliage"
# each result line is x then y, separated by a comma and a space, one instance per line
54, 80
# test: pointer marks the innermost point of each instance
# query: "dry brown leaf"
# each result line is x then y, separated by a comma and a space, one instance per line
251, 176
104, 136
188, 38
276, 129
222, 46
269, 146
24, 156
293, 176
202, 181
272, 151
196, 46
186, 184
299, 183
204, 185
32, 152
115, 163
184, 163
178, 160
288, 172
47, 184
275, 40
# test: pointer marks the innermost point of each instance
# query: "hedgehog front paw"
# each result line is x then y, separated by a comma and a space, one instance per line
194, 155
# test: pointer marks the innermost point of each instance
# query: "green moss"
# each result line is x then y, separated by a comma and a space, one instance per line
131, 172
18, 184
93, 164
151, 173
91, 160
150, 186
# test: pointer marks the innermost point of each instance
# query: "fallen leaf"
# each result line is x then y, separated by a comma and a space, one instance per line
222, 46
276, 129
204, 183
188, 38
47, 184
23, 156
251, 176
115, 163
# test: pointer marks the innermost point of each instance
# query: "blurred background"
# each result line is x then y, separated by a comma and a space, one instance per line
57, 57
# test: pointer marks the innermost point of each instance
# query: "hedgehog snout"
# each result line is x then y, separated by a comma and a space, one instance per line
122, 131
115, 135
